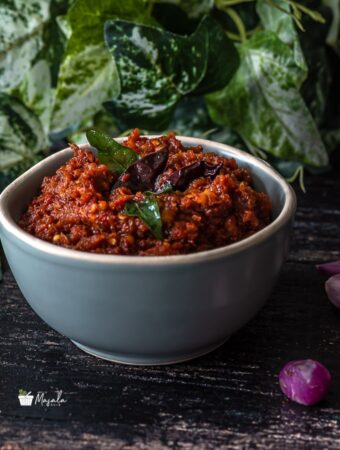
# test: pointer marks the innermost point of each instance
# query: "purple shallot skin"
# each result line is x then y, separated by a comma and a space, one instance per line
305, 381
332, 287
330, 268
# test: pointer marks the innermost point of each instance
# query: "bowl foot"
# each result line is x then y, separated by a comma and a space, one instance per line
139, 360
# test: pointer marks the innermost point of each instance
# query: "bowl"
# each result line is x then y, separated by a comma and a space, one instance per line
148, 309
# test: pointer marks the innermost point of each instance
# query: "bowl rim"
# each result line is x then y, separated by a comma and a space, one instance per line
285, 216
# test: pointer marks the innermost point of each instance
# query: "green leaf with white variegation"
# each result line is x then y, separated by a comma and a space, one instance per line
88, 74
22, 138
157, 68
21, 38
262, 103
36, 89
274, 19
80, 94
36, 92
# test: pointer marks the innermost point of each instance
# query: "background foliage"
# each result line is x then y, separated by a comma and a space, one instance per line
259, 74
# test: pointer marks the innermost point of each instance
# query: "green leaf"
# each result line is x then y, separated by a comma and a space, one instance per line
316, 88
274, 19
21, 38
167, 187
148, 211
88, 74
191, 118
263, 104
223, 58
22, 138
86, 80
156, 68
117, 157
35, 91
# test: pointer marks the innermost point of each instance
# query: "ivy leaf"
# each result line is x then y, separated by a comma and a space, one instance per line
274, 19
185, 123
88, 74
117, 157
21, 38
35, 91
22, 138
223, 58
156, 68
262, 103
86, 80
316, 89
148, 211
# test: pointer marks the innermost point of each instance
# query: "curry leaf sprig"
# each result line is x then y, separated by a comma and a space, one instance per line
117, 157
120, 160
147, 209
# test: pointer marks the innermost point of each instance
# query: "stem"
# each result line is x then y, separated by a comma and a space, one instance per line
222, 4
150, 7
315, 15
233, 36
238, 23
299, 173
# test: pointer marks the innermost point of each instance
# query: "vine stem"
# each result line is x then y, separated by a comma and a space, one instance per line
238, 23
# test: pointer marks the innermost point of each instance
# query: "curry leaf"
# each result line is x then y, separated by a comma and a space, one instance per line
263, 103
117, 157
88, 74
148, 211
21, 38
22, 138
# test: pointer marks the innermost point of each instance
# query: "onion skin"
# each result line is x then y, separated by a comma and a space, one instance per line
329, 269
332, 287
305, 381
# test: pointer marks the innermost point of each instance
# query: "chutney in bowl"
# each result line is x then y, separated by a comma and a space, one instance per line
148, 309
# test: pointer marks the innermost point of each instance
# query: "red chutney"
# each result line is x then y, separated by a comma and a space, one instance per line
78, 209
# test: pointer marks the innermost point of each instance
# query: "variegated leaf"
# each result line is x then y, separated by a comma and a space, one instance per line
21, 38
88, 75
263, 103
22, 138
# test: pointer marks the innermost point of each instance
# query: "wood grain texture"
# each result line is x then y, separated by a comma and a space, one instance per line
229, 399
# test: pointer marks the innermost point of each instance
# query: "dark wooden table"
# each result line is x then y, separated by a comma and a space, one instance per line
229, 399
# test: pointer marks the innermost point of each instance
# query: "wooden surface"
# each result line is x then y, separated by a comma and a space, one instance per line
229, 399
